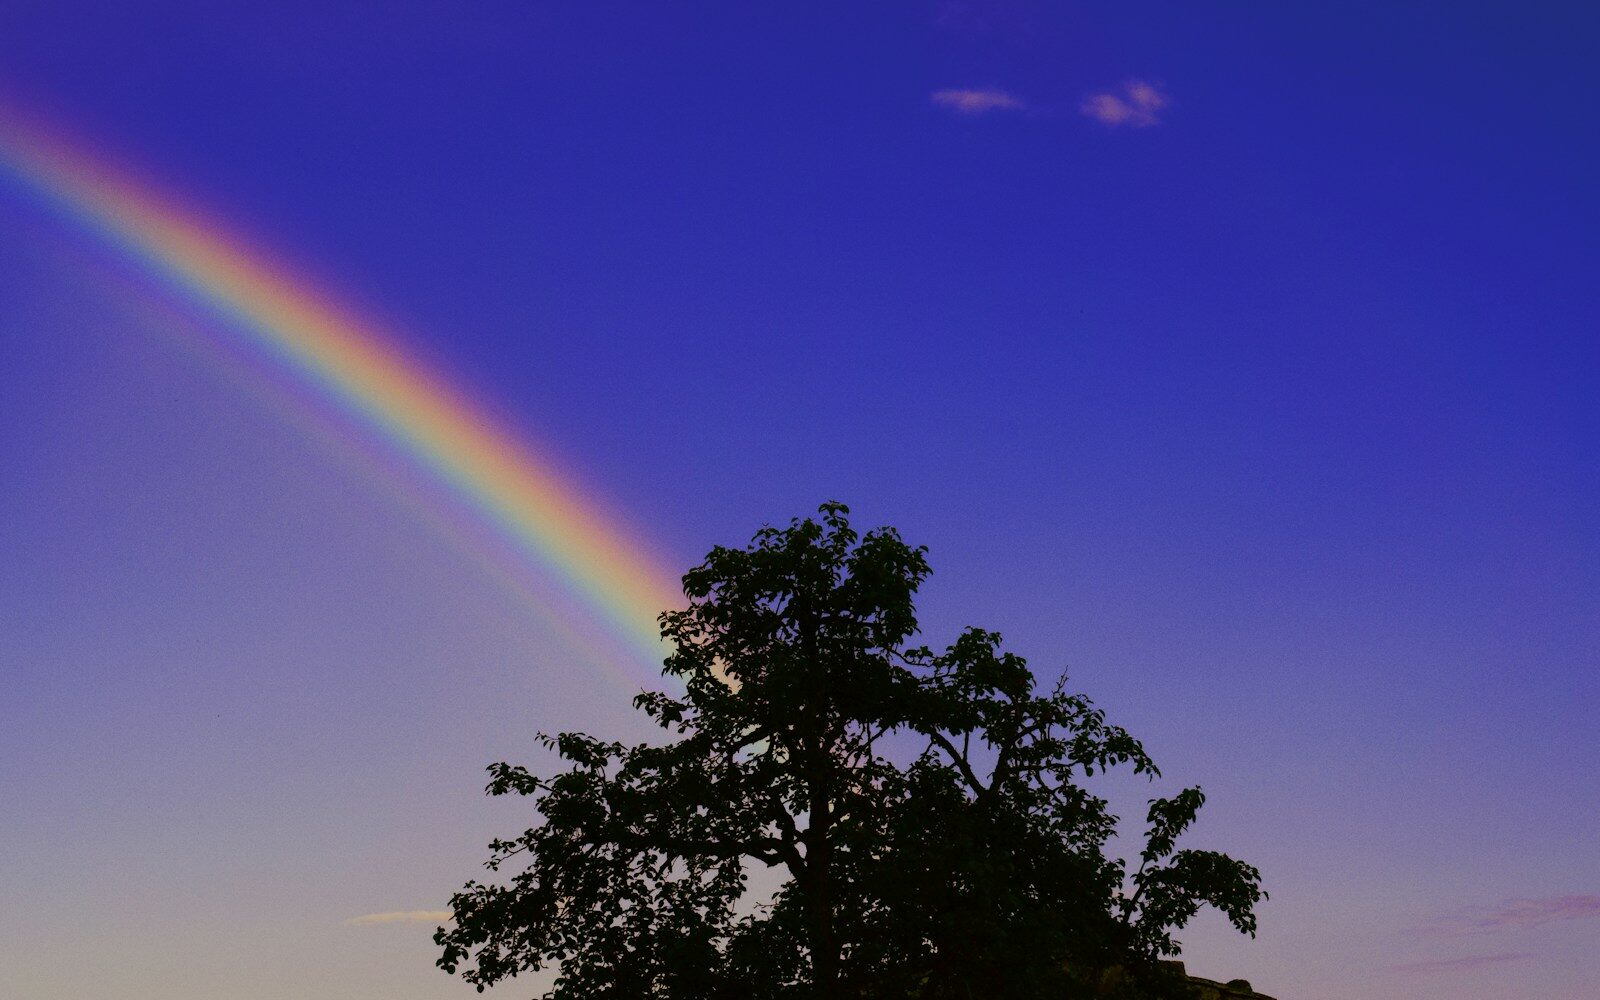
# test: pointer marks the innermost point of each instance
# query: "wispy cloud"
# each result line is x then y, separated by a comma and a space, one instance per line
1137, 104
976, 102
956, 15
1516, 914
1466, 962
401, 917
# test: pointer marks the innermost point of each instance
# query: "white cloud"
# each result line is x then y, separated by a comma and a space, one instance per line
1136, 105
976, 102
401, 917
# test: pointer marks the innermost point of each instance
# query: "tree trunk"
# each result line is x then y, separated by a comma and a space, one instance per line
819, 895
819, 846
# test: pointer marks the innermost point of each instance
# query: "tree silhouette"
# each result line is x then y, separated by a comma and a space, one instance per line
925, 813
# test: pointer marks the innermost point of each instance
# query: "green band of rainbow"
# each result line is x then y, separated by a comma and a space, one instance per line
366, 374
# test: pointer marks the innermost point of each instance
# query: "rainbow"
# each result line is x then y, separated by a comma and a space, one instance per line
365, 374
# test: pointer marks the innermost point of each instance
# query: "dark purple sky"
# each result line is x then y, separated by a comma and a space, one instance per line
1243, 357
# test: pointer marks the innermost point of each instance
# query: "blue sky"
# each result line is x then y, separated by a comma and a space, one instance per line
1242, 358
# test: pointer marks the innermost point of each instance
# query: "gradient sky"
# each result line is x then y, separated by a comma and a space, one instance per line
1242, 358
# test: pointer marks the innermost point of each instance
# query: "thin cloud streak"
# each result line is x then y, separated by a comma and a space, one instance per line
1136, 105
1465, 962
401, 917
1516, 914
976, 102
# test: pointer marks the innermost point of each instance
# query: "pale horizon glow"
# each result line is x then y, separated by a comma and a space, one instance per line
401, 917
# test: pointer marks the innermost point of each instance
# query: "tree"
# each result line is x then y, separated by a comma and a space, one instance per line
924, 812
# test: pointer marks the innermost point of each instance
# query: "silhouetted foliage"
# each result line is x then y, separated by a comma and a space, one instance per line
925, 811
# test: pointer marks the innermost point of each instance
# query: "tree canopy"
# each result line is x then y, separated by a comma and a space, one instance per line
924, 815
